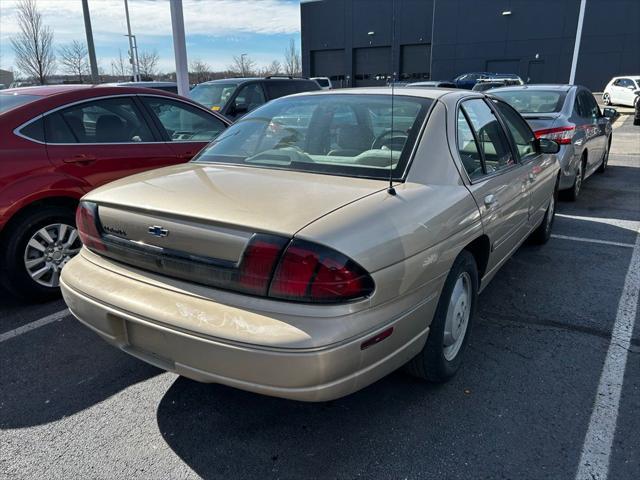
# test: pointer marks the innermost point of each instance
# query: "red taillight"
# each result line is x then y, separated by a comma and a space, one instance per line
561, 135
259, 262
313, 273
87, 224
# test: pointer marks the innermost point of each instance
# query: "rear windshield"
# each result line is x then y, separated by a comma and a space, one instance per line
351, 135
533, 101
13, 100
213, 95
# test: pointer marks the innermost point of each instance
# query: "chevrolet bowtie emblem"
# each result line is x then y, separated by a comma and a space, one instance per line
158, 231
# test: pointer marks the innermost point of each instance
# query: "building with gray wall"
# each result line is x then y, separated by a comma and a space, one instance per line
6, 78
354, 42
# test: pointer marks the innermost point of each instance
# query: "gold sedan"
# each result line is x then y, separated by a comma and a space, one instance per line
319, 243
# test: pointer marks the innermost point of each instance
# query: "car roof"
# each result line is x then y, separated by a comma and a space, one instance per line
426, 92
89, 90
538, 86
145, 84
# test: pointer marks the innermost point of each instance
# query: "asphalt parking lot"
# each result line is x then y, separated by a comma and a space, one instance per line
522, 407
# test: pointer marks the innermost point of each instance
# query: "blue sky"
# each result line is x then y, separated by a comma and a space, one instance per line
216, 29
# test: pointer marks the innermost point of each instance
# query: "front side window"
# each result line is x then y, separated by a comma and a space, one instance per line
249, 98
113, 120
522, 135
493, 143
351, 135
184, 122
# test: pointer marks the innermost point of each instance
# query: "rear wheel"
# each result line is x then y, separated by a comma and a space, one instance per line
542, 234
573, 193
605, 157
442, 355
36, 249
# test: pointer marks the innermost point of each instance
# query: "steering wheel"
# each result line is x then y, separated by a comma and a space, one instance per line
382, 140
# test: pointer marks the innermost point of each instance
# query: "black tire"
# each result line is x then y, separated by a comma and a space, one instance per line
605, 157
542, 233
14, 275
430, 364
573, 193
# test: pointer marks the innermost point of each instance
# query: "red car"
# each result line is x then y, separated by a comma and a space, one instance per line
58, 143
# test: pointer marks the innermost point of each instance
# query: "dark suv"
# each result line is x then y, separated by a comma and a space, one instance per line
233, 97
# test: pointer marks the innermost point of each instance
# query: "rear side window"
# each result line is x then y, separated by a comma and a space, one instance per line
113, 120
468, 148
586, 105
35, 130
492, 141
522, 135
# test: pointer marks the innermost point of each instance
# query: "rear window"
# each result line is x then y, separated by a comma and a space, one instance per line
9, 101
213, 95
533, 101
350, 135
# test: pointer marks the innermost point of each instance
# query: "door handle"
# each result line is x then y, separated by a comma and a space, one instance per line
80, 158
490, 200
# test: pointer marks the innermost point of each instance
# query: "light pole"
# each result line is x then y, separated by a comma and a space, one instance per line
134, 55
90, 47
179, 47
576, 45
242, 63
131, 61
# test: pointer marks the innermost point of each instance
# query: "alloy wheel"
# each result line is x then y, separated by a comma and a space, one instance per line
458, 314
48, 250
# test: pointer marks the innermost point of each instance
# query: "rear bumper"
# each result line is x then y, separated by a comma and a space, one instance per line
309, 374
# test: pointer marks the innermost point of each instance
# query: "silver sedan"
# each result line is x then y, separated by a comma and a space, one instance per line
569, 115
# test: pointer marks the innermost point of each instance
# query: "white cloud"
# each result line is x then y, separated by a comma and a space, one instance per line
152, 17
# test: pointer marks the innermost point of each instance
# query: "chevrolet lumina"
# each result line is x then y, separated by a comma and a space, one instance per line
319, 243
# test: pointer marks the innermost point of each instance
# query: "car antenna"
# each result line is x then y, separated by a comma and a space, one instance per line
391, 190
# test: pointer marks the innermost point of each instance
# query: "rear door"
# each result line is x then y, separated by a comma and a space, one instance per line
185, 127
540, 168
499, 184
104, 139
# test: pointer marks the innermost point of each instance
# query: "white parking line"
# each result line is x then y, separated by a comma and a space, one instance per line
592, 240
54, 317
596, 450
625, 224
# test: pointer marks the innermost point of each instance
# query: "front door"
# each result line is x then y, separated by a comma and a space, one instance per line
499, 184
103, 140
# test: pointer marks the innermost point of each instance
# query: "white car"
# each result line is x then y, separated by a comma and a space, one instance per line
324, 82
622, 91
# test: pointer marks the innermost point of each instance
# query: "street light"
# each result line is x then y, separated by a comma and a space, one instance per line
133, 57
242, 63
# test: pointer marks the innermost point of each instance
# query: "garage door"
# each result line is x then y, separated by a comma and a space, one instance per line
372, 66
415, 60
328, 63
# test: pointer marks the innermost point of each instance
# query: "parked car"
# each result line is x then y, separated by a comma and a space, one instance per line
468, 80
569, 115
622, 91
488, 84
234, 97
433, 84
171, 87
306, 260
324, 82
60, 142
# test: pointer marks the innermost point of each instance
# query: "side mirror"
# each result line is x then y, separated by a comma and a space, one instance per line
547, 146
631, 87
609, 112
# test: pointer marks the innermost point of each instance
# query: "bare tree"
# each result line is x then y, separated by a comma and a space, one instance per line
292, 61
33, 46
74, 59
120, 67
199, 71
274, 68
148, 64
242, 65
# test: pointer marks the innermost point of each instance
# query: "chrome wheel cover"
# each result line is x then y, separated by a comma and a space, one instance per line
48, 250
458, 314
